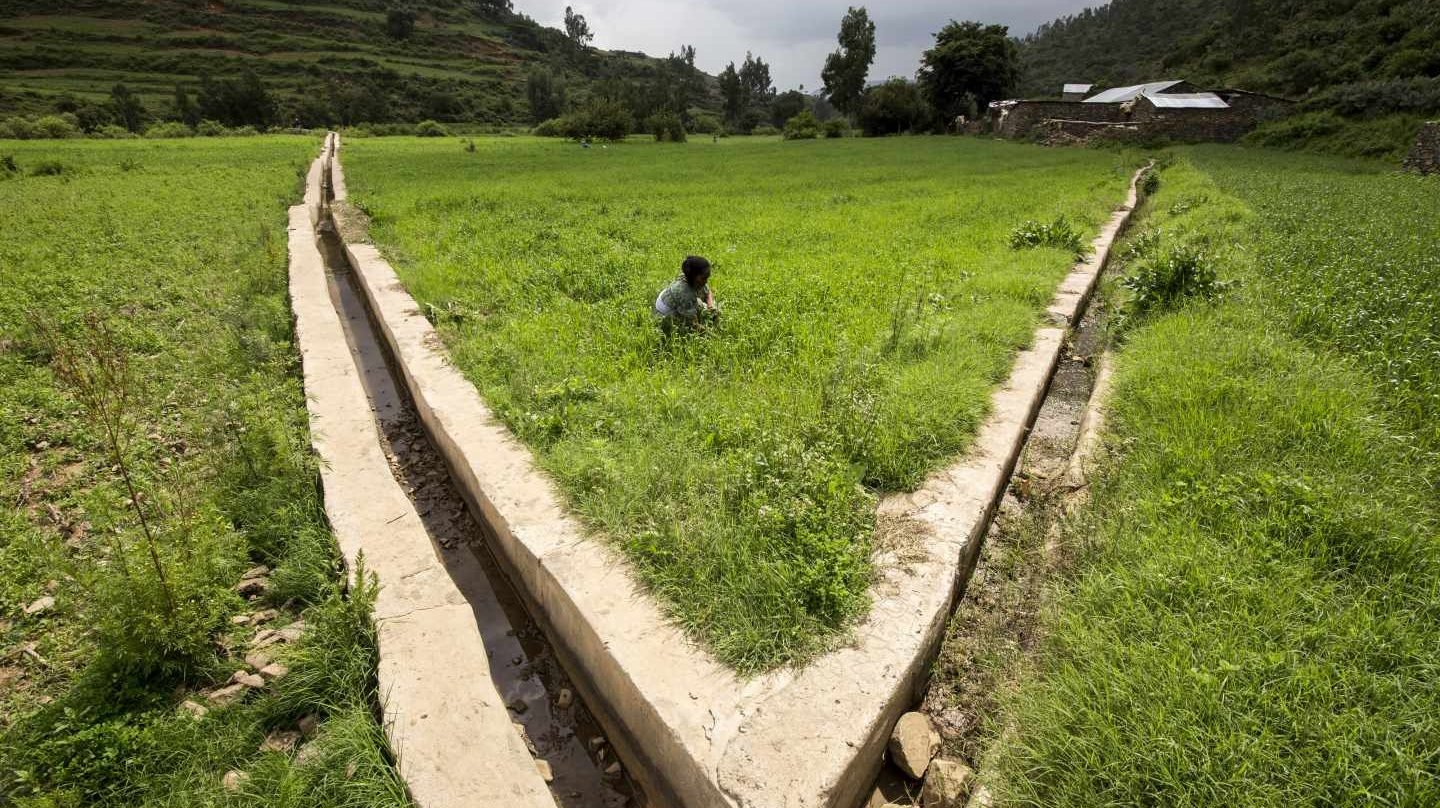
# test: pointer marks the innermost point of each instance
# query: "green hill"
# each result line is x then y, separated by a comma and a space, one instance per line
322, 62
1355, 56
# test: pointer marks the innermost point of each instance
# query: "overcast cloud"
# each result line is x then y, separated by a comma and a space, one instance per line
794, 36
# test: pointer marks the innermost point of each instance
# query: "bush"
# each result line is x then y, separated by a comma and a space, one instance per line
429, 128
48, 168
835, 127
19, 128
667, 127
209, 128
1387, 138
1380, 97
555, 127
892, 108
603, 120
57, 126
703, 123
803, 126
169, 129
111, 131
765, 129
1149, 182
244, 131
1059, 234
1163, 283
8, 166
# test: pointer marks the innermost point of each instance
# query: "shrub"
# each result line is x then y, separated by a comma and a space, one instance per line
891, 108
8, 166
429, 128
57, 126
765, 129
111, 131
209, 128
1059, 234
168, 129
703, 123
1149, 182
1379, 97
244, 131
667, 127
555, 127
48, 168
835, 127
604, 120
1163, 283
20, 128
802, 126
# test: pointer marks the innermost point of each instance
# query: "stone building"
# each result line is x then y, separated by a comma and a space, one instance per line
1171, 110
1075, 92
1424, 157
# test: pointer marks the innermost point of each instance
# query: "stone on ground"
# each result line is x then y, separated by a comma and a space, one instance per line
234, 780
194, 708
913, 743
543, 767
227, 694
274, 671
41, 605
946, 784
308, 725
247, 679
282, 740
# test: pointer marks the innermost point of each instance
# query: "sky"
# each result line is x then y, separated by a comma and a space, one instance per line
793, 36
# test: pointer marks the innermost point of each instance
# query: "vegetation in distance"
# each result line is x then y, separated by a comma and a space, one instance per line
870, 300
1252, 616
153, 446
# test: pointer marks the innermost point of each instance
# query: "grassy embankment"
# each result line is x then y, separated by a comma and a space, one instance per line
870, 303
1254, 614
144, 298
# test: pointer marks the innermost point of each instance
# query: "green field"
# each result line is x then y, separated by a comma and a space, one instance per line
870, 302
151, 278
1254, 615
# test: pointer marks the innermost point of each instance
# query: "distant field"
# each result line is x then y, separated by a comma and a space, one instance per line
178, 249
870, 304
1253, 619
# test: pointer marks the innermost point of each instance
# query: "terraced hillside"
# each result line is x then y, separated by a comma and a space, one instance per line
326, 62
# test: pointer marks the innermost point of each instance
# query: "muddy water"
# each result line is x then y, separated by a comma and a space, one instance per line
537, 691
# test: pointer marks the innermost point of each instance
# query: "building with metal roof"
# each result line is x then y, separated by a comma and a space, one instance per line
1118, 95
1075, 92
1186, 100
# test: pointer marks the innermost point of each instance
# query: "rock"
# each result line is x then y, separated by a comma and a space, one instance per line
194, 708
309, 724
274, 671
980, 798
525, 736
564, 699
257, 571
240, 620
613, 770
234, 781
292, 632
247, 679
263, 616
252, 587
309, 752
41, 605
913, 743
543, 767
257, 659
282, 740
227, 694
946, 784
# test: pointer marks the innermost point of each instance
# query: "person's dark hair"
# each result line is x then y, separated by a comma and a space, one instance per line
695, 268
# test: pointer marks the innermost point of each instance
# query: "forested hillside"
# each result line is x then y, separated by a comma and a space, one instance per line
1354, 56
311, 63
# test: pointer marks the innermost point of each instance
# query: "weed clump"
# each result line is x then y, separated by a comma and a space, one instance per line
1059, 234
48, 168
1164, 282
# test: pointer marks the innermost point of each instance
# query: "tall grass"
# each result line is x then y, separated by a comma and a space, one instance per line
1253, 617
870, 301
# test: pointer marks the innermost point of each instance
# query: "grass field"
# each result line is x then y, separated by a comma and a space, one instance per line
145, 334
870, 302
1254, 615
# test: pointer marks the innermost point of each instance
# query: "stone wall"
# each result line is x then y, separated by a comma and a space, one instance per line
1069, 120
1425, 156
1016, 120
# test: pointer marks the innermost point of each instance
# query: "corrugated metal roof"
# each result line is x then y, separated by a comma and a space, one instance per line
1078, 88
1119, 94
1187, 100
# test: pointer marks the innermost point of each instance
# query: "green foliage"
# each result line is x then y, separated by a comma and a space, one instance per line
1290, 48
892, 108
1149, 183
1269, 520
597, 119
555, 127
1059, 234
399, 22
836, 127
49, 168
1386, 138
703, 123
845, 69
546, 93
737, 468
1162, 282
171, 129
57, 126
746, 94
969, 66
802, 127
430, 129
765, 130
666, 127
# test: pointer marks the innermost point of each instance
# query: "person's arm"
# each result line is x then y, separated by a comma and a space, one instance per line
709, 297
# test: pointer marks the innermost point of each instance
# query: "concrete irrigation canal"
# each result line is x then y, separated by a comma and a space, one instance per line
520, 663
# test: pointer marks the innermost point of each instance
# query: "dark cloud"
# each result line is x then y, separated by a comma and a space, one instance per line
792, 35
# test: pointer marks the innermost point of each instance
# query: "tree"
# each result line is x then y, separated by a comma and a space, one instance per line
970, 64
399, 22
185, 109
577, 28
787, 105
845, 69
756, 92
546, 94
127, 108
237, 102
732, 94
891, 108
